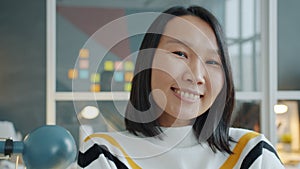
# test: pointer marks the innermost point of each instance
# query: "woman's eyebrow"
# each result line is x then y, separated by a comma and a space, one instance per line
188, 45
215, 51
172, 40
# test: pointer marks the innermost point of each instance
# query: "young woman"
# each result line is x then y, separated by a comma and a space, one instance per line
180, 105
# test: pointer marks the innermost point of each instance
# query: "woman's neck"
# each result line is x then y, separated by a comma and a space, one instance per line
166, 120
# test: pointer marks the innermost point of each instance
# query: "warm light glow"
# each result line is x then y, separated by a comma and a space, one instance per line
280, 108
89, 112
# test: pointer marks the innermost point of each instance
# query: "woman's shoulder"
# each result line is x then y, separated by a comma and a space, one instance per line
105, 148
253, 149
249, 139
108, 139
246, 134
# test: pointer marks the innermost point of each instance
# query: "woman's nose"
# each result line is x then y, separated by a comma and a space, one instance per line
196, 73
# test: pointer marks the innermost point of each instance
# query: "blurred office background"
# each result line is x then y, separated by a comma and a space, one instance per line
49, 74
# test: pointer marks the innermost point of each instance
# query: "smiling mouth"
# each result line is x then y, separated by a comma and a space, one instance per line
186, 94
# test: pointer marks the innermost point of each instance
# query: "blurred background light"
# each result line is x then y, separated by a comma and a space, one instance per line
89, 112
280, 108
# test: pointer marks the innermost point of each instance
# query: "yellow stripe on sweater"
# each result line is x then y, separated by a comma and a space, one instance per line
233, 158
112, 141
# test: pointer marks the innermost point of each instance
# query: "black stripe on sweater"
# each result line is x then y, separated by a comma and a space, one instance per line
84, 159
255, 153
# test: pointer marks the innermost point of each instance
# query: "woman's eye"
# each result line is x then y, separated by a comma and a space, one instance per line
181, 54
213, 62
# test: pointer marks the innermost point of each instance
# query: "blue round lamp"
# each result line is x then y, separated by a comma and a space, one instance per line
47, 147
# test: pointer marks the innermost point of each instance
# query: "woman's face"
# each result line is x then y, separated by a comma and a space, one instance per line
187, 72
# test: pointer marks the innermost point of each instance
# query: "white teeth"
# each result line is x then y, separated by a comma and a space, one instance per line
187, 95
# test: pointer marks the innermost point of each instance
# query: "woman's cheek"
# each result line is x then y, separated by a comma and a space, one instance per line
169, 64
216, 80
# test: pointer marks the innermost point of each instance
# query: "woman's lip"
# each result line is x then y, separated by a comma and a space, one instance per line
186, 99
187, 91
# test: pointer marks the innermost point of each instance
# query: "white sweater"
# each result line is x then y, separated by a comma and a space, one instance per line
178, 149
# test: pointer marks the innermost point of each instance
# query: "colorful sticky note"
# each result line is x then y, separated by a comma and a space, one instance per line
108, 65
95, 77
83, 74
95, 87
84, 53
119, 76
129, 66
83, 63
127, 87
118, 65
72, 74
128, 76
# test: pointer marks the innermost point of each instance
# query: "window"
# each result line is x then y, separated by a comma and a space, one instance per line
78, 75
261, 78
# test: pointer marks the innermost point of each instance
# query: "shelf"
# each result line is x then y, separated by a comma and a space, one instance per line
68, 96
288, 95
90, 96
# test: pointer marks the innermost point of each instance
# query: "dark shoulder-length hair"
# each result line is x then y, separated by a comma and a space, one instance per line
140, 100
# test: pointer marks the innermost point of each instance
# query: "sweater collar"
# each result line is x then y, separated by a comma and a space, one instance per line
178, 137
